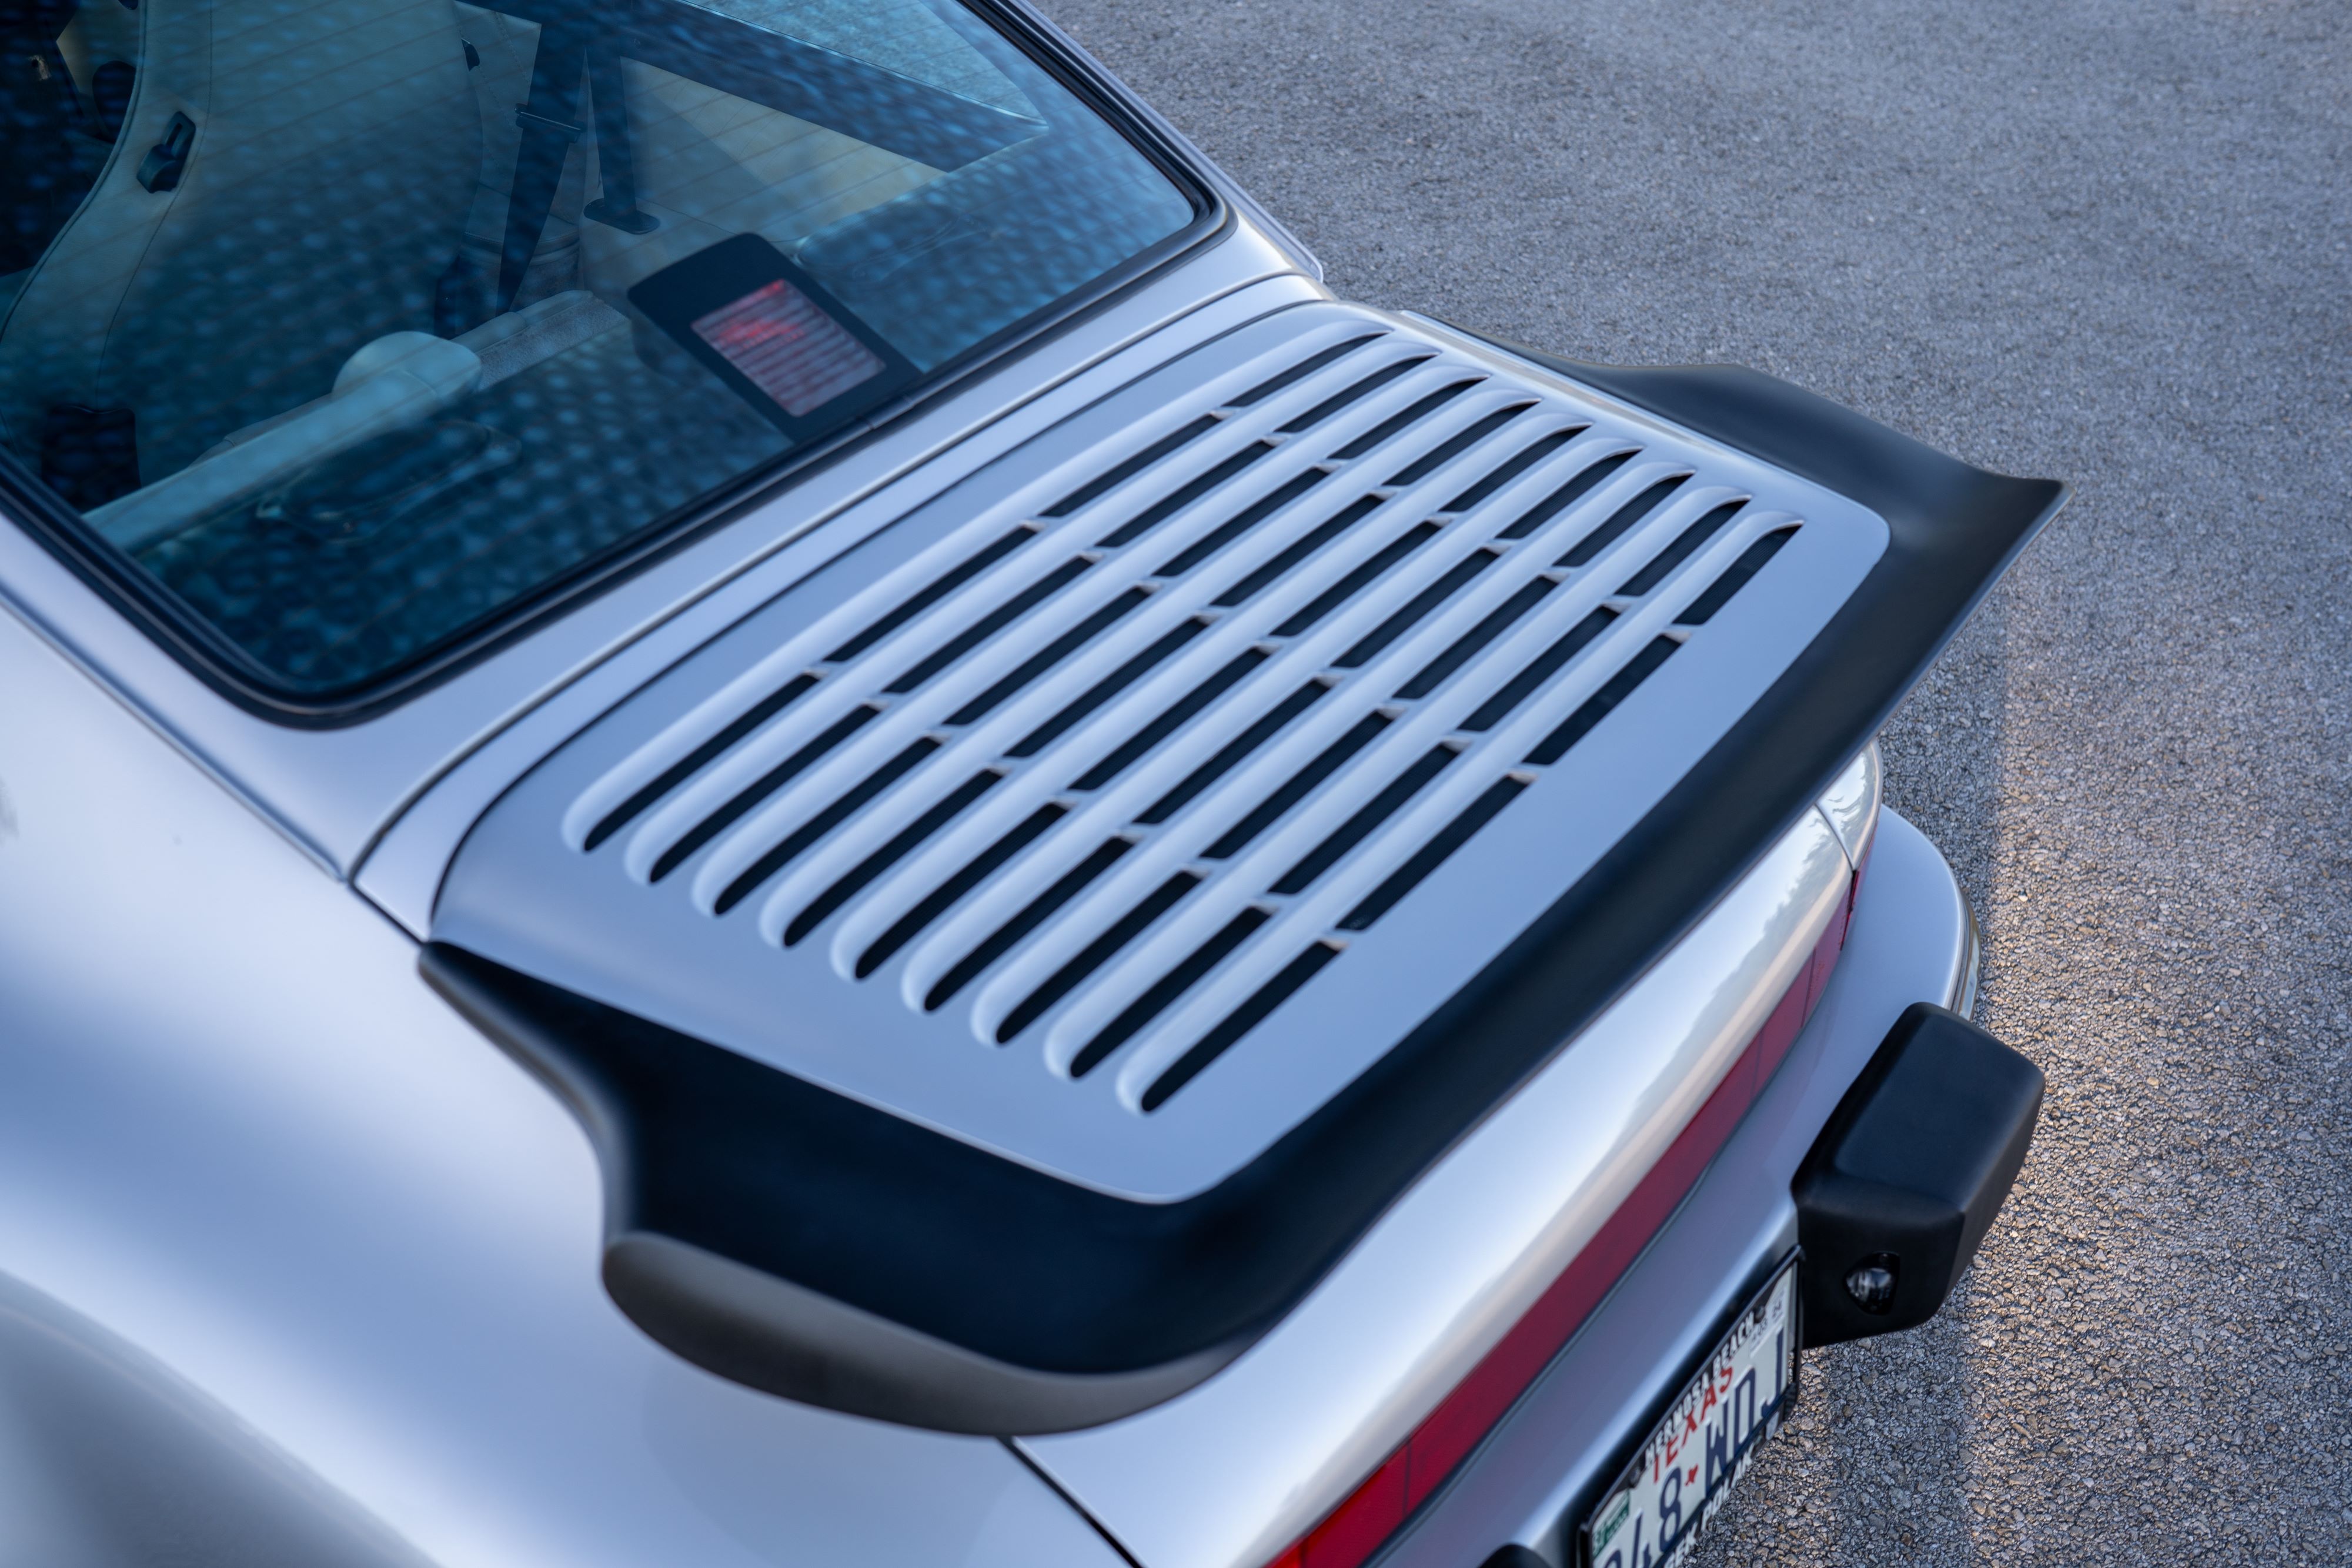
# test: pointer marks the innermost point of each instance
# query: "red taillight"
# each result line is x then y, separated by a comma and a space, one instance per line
1356, 1528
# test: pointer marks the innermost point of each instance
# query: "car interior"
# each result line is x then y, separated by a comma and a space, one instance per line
321, 312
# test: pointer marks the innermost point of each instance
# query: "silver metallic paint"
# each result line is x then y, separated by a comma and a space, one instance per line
108, 1459
238, 1134
1909, 942
403, 872
333, 792
523, 893
1228, 1474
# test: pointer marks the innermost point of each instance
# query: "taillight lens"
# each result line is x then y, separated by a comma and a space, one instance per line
1351, 1532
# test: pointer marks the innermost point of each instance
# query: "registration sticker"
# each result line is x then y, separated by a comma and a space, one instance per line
1679, 1477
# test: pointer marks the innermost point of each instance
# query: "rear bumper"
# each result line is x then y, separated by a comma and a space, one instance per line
1532, 1481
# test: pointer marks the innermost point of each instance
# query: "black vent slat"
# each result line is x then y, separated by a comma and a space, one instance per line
1282, 655
1735, 578
939, 588
1567, 495
1172, 718
1396, 425
1378, 565
942, 898
1512, 470
1432, 855
1249, 518
1230, 754
1620, 520
1239, 1022
760, 788
1288, 561
1102, 691
1052, 653
701, 757
1297, 788
989, 625
1096, 953
823, 822
1598, 707
1459, 653
1454, 445
1686, 545
1160, 511
1416, 608
1370, 815
1545, 665
1341, 399
1164, 991
1034, 914
1300, 371
896, 849
1111, 479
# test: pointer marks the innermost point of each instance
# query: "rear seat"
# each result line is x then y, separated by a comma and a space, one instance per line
401, 380
150, 304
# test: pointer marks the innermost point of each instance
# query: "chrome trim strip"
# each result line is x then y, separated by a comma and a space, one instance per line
1199, 164
1850, 805
1962, 996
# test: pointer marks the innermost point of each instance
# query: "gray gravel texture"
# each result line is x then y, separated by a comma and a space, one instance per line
2104, 242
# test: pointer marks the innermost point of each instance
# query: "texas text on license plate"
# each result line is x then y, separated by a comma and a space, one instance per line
1679, 1477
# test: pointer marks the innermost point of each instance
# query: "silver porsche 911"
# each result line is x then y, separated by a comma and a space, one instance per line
761, 801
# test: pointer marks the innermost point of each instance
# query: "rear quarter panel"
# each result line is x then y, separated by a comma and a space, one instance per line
240, 1140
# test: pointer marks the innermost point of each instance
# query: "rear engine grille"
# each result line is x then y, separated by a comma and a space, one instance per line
1113, 770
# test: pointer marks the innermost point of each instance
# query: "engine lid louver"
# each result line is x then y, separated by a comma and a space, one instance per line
1115, 809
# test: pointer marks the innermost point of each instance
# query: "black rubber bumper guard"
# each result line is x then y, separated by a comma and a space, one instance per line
1894, 1195
1909, 1174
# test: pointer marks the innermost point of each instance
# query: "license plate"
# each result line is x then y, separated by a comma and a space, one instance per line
1692, 1458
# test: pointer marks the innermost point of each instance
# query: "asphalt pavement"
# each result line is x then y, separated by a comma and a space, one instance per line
2104, 242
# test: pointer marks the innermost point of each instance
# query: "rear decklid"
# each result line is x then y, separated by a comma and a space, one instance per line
1004, 971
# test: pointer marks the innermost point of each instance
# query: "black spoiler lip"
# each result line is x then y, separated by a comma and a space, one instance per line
922, 1280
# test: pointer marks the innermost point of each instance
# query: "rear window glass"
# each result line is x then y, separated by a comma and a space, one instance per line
353, 322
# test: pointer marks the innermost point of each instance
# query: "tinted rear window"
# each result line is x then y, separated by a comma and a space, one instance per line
354, 322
